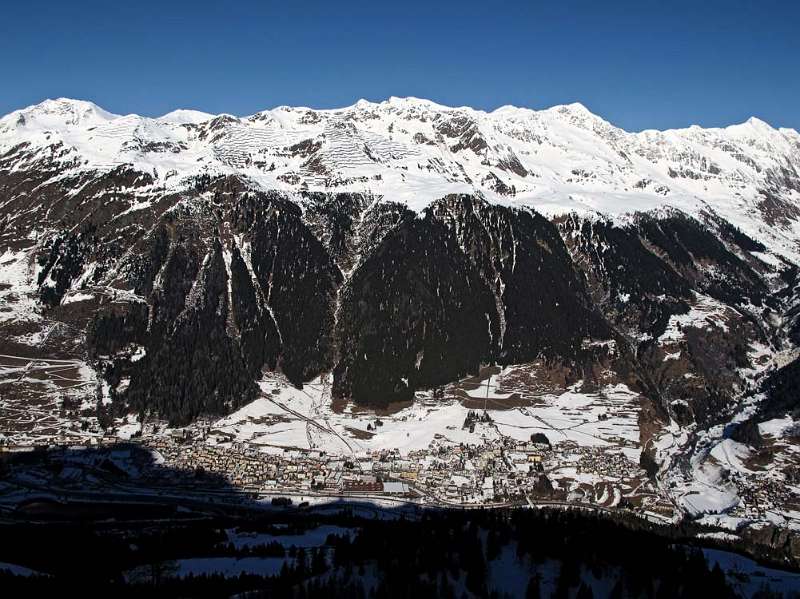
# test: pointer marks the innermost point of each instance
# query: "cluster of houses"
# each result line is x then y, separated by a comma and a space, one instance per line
760, 494
500, 471
606, 464
254, 471
492, 472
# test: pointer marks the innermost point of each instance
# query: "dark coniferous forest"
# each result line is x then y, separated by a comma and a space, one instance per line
442, 554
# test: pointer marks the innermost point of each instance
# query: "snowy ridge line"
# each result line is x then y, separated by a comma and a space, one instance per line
562, 159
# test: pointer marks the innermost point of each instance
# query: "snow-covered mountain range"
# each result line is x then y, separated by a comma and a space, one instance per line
377, 256
415, 151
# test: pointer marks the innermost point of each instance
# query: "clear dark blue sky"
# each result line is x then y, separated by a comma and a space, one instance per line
640, 64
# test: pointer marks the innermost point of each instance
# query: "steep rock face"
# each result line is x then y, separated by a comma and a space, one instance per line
334, 220
62, 259
782, 394
414, 314
699, 257
253, 321
467, 282
190, 363
691, 304
116, 325
192, 366
544, 309
624, 275
235, 282
298, 279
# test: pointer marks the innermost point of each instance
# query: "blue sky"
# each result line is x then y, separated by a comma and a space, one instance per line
643, 64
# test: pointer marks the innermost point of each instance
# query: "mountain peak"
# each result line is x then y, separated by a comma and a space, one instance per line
574, 110
185, 116
577, 107
759, 125
68, 106
413, 102
58, 112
